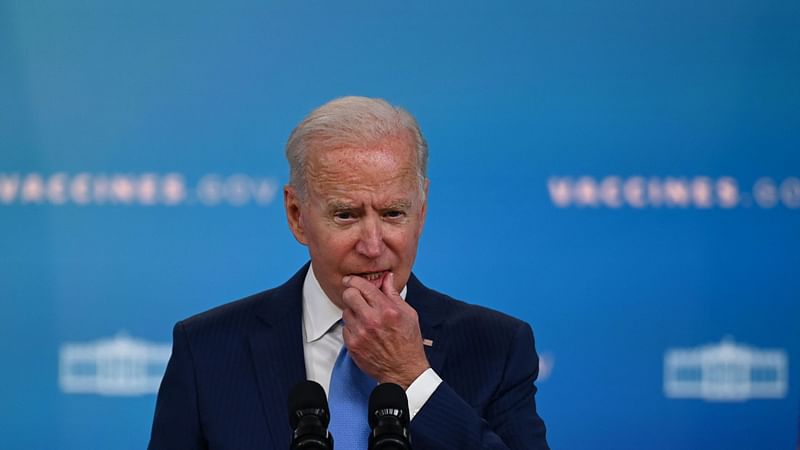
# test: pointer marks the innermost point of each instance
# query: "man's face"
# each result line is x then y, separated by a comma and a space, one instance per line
362, 215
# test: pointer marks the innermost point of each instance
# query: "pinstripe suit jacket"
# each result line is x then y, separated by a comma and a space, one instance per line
231, 369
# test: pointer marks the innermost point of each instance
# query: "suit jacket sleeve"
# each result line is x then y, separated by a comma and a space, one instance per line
176, 423
505, 420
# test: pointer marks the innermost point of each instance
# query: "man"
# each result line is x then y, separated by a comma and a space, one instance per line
357, 199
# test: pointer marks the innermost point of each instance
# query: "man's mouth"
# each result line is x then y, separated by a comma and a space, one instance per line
372, 276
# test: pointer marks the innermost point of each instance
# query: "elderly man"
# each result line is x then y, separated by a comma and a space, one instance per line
357, 200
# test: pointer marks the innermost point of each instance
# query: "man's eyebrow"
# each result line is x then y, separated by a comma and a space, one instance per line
399, 204
337, 205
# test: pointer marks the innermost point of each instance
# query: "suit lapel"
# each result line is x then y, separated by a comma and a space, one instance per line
277, 349
432, 315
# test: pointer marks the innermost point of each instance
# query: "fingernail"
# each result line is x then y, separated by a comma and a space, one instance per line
346, 279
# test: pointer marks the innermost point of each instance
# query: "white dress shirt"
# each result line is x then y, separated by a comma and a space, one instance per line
322, 342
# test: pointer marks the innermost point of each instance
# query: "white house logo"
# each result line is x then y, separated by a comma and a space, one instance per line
725, 372
120, 366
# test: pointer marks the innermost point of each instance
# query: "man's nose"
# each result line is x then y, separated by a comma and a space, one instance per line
370, 242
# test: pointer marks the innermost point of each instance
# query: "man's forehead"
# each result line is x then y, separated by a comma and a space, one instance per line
383, 175
391, 152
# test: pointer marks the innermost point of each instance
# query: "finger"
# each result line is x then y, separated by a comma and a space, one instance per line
348, 317
387, 287
348, 338
357, 314
354, 331
354, 301
373, 296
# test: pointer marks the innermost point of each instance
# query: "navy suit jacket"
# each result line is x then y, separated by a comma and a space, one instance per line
231, 369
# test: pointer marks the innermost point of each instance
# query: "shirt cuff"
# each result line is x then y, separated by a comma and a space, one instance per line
421, 390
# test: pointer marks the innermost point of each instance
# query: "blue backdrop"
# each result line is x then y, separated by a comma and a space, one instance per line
625, 176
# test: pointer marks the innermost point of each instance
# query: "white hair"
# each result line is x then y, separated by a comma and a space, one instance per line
352, 122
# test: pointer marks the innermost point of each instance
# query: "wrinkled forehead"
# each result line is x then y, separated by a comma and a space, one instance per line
391, 156
381, 171
398, 150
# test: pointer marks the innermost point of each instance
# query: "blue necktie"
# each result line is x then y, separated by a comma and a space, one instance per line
347, 400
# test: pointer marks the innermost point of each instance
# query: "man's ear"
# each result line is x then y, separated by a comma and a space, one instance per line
294, 214
424, 210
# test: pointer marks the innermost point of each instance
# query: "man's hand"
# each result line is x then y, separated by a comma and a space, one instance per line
381, 332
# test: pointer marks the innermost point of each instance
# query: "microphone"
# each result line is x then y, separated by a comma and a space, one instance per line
309, 417
388, 418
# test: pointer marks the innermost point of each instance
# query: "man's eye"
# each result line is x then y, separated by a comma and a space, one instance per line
395, 214
344, 215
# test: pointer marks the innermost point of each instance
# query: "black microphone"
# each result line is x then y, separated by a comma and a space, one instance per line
309, 417
388, 418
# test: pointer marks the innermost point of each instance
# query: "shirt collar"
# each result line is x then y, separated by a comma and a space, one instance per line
320, 314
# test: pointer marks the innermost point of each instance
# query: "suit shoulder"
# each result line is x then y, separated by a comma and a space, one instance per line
459, 312
236, 317
229, 314
483, 345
